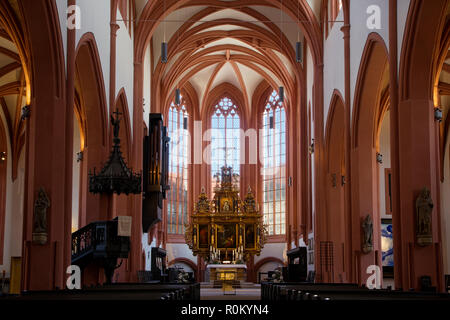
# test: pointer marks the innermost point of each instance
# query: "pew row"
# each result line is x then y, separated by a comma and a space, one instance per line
121, 291
340, 292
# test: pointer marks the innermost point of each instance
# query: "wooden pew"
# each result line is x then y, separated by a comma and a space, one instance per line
191, 290
273, 291
123, 291
324, 291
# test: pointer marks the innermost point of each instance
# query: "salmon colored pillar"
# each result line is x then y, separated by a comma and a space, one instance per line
70, 98
135, 259
43, 266
417, 169
414, 132
347, 138
320, 225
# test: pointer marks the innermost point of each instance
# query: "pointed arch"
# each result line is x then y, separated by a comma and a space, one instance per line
420, 48
192, 99
92, 110
332, 224
336, 104
364, 170
225, 89
121, 103
367, 90
91, 87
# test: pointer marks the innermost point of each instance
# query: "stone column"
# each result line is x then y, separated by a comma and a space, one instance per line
47, 167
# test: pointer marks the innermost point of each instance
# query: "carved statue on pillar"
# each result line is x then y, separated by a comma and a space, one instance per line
41, 205
367, 227
424, 208
203, 204
249, 201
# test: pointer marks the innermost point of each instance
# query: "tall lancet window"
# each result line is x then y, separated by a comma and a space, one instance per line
177, 202
274, 165
225, 137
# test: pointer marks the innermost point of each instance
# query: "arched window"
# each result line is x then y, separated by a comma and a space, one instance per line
274, 165
177, 200
225, 137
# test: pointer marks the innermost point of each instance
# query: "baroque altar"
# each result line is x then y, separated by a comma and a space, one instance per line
226, 230
227, 272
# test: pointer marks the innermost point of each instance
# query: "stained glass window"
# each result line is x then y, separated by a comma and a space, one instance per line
177, 201
225, 137
274, 165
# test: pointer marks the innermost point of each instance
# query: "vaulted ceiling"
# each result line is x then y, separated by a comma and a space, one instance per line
11, 78
13, 84
241, 43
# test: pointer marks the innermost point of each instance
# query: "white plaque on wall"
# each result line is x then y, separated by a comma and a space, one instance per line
124, 226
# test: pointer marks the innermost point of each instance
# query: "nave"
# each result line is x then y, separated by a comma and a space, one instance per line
190, 150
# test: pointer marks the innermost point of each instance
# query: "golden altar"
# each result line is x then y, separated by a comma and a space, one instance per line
226, 230
227, 272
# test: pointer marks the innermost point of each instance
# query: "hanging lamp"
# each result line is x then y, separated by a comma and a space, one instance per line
177, 97
115, 177
281, 93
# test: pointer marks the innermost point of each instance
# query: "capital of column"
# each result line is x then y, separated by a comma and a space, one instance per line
319, 65
346, 31
114, 28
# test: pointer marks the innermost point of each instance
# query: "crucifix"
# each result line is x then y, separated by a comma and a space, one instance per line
226, 149
116, 122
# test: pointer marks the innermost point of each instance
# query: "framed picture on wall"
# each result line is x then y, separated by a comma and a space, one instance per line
387, 248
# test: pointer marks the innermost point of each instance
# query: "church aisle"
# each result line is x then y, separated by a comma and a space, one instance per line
241, 294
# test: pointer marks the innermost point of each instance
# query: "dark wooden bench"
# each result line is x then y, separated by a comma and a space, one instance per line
324, 291
125, 291
191, 291
276, 291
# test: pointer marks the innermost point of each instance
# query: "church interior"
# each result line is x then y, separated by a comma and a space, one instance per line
225, 149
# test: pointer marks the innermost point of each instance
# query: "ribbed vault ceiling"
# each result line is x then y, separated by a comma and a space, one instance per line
12, 89
242, 43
